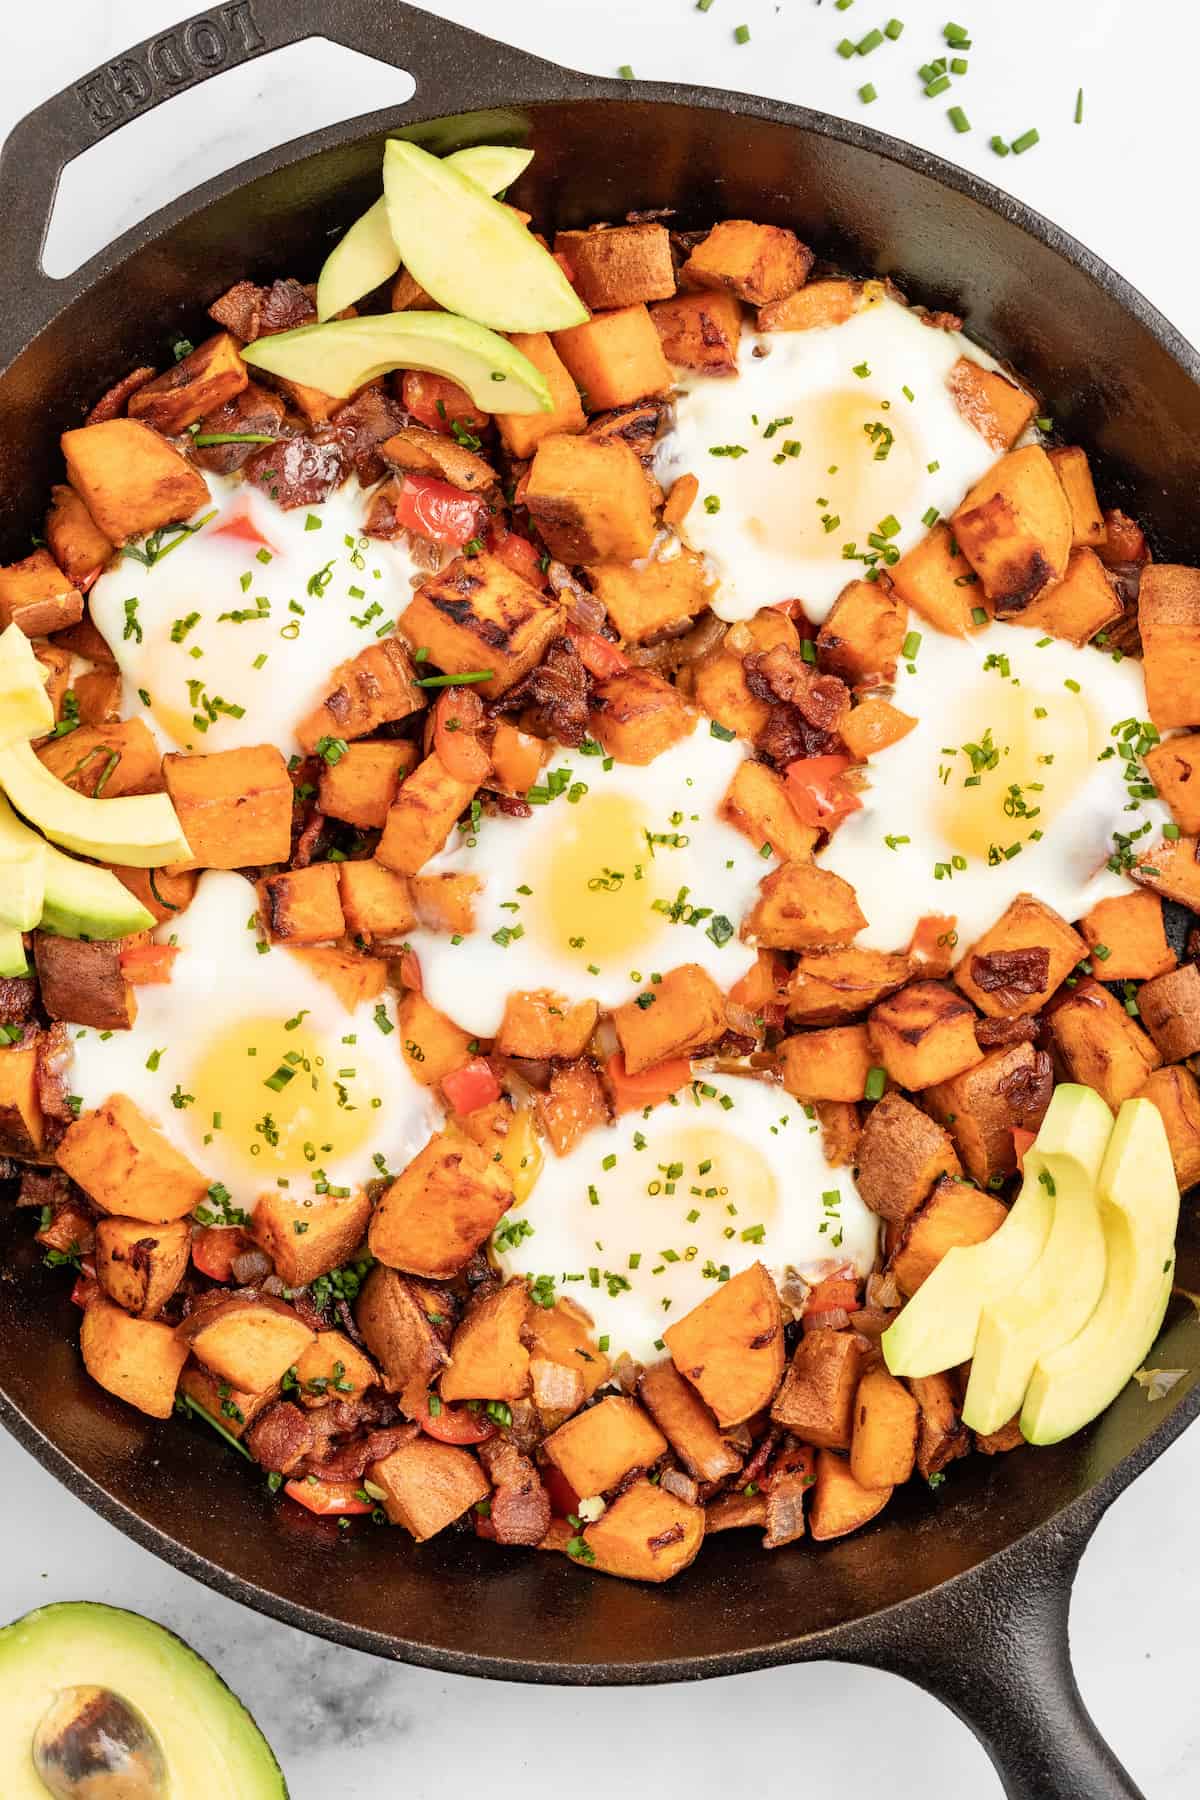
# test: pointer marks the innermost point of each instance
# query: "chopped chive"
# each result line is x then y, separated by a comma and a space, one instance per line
875, 1083
998, 145
1026, 141
1079, 107
872, 41
911, 645
625, 72
741, 34
893, 29
959, 119
958, 65
979, 615
845, 49
937, 86
867, 93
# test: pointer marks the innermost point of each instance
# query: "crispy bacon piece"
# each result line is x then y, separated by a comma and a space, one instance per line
1028, 1089
991, 1034
256, 410
557, 692
284, 306
112, 404
53, 1058
1015, 972
782, 674
43, 1187
300, 471
352, 1461
363, 424
17, 994
520, 1504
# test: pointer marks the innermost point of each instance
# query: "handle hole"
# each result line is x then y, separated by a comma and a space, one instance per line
163, 153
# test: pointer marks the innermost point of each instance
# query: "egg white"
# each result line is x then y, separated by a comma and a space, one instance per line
571, 849
774, 525
186, 1058
612, 1225
955, 700
317, 580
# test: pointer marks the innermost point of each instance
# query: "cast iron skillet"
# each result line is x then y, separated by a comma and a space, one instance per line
965, 1592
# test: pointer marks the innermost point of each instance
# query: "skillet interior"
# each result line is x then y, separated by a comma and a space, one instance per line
1111, 373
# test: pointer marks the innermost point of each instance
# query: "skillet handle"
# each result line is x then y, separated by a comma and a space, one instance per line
451, 67
993, 1646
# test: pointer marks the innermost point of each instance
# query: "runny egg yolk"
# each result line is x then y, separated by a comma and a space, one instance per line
648, 1200
856, 469
596, 897
1021, 755
285, 1100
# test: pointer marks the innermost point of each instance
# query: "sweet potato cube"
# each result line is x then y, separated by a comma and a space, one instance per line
438, 1211
521, 433
354, 976
422, 816
955, 1213
334, 1368
1169, 617
758, 263
573, 1105
543, 1026
828, 986
139, 1266
839, 1503
361, 785
1099, 1045
1172, 869
757, 804
83, 981
301, 906
251, 1342
372, 689
886, 1417
478, 614
615, 358
804, 907
637, 715
995, 406
717, 683
817, 305
730, 1347
816, 1401
406, 1327
923, 1034
564, 1334
130, 479
209, 376
1087, 520
177, 891
415, 450
109, 759
1079, 605
827, 1065
646, 1534
37, 596
432, 1044
941, 1435
235, 807
488, 1359
700, 331
655, 597
376, 902
1014, 528
1170, 1009
619, 265
307, 1237
1174, 768
1126, 936
57, 663
98, 696
445, 902
1009, 1090
125, 1166
517, 758
589, 499
688, 1013
872, 725
1177, 1096
75, 541
861, 637
687, 1424
901, 1154
136, 1359
427, 1485
234, 1410
1016, 965
598, 1448
22, 1122
936, 580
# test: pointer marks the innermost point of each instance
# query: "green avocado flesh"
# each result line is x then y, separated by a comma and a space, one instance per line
78, 899
343, 355
938, 1326
13, 960
140, 830
470, 253
1060, 1291
367, 256
1139, 1210
201, 1738
25, 709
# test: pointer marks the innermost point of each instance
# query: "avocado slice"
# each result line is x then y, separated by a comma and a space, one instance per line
345, 354
99, 1704
13, 960
138, 829
22, 872
367, 256
25, 709
473, 255
1139, 1210
1060, 1292
78, 899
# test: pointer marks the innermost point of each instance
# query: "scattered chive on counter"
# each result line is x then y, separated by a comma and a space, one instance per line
1026, 141
625, 72
867, 93
741, 34
958, 119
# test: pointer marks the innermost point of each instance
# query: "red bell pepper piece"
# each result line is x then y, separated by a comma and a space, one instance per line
148, 965
817, 792
437, 510
327, 1499
456, 1424
472, 1086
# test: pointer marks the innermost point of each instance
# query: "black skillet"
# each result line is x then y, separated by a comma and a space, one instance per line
967, 1591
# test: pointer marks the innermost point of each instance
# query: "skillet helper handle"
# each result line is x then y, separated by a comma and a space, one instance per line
447, 62
993, 1646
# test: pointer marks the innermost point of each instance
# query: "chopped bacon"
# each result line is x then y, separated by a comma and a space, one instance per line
17, 994
363, 424
557, 691
782, 674
112, 404
520, 1504
300, 471
991, 1033
257, 411
1015, 972
284, 306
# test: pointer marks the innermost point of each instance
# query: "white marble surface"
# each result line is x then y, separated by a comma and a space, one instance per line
341, 1722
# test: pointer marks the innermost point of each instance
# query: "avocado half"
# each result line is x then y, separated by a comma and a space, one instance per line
79, 1675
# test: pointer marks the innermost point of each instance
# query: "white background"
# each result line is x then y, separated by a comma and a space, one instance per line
342, 1723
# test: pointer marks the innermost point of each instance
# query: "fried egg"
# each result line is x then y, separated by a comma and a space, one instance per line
229, 637
824, 440
1016, 777
642, 1221
621, 872
252, 1067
